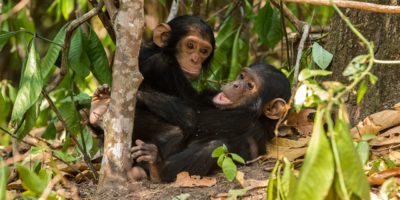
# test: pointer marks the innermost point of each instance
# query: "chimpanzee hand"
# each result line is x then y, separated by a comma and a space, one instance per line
145, 152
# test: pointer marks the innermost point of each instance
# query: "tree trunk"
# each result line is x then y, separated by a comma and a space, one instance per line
128, 26
383, 30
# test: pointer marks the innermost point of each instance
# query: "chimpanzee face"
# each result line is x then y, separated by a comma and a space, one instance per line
192, 51
240, 91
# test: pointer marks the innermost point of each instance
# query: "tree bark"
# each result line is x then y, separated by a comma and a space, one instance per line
383, 30
128, 26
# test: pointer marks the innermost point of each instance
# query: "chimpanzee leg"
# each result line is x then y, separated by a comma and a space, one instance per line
195, 159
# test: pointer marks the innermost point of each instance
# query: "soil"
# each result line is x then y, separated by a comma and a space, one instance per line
154, 191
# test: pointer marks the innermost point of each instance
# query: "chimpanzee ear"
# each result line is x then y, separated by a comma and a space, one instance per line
275, 109
161, 34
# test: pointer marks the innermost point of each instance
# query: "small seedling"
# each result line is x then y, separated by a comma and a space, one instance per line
226, 161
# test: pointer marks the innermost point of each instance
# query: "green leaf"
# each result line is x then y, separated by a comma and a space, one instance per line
229, 169
220, 160
361, 91
358, 64
234, 65
275, 33
367, 136
81, 99
308, 73
98, 59
31, 181
272, 189
67, 6
350, 164
87, 137
288, 182
317, 172
29, 122
363, 151
78, 59
225, 148
67, 157
4, 37
183, 196
30, 86
225, 32
71, 117
238, 159
263, 22
321, 56
47, 63
50, 132
4, 173
372, 78
217, 152
235, 193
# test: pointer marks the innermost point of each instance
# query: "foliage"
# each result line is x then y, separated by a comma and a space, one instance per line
226, 161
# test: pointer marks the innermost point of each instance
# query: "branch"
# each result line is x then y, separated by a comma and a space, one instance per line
371, 7
174, 10
104, 19
111, 9
67, 42
58, 114
289, 15
306, 29
14, 10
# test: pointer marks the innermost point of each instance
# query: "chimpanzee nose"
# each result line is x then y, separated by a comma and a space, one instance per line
235, 85
195, 58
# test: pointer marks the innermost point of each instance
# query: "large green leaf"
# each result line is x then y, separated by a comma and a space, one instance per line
234, 65
29, 122
67, 6
275, 31
317, 172
30, 86
321, 56
71, 116
47, 63
98, 59
350, 164
263, 22
30, 180
78, 59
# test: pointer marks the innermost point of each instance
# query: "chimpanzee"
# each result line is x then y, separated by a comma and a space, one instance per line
178, 51
244, 120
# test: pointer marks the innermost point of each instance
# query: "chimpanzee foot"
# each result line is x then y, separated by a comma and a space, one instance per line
137, 173
99, 105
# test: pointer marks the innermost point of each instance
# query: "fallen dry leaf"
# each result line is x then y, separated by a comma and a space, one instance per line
391, 136
250, 183
282, 147
183, 179
301, 121
380, 177
394, 156
377, 122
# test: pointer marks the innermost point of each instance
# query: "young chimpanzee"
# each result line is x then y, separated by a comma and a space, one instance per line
248, 109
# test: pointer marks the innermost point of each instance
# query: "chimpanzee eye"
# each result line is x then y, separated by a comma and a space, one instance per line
190, 45
241, 76
204, 51
250, 86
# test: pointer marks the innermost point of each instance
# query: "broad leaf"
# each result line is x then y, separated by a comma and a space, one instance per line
50, 132
317, 172
67, 6
351, 167
78, 59
30, 86
47, 63
234, 65
363, 151
321, 56
98, 59
229, 168
4, 173
30, 180
71, 117
361, 91
238, 159
217, 152
288, 182
263, 22
29, 122
308, 73
356, 65
275, 33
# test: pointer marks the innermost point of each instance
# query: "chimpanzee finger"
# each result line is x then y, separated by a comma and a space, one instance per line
146, 158
137, 154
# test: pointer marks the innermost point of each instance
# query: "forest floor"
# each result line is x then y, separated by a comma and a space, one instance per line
256, 171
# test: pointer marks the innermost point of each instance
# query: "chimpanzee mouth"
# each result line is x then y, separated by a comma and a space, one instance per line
222, 99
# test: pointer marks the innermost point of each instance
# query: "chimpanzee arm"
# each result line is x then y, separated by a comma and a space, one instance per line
170, 108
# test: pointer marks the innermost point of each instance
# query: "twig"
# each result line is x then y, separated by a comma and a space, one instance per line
58, 114
106, 22
237, 3
289, 15
67, 42
371, 7
111, 9
217, 12
49, 187
254, 160
14, 10
306, 29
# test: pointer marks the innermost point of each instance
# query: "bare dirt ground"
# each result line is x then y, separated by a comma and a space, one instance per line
165, 191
